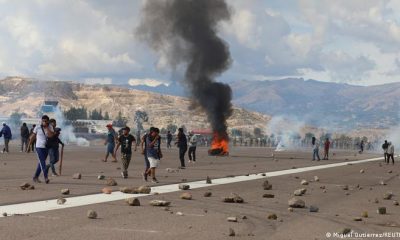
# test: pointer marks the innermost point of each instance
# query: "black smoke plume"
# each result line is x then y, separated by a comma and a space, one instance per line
184, 32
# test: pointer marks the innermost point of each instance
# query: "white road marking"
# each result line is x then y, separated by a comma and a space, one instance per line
48, 205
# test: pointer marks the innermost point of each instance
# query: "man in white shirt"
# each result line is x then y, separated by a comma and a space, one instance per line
390, 153
41, 133
192, 147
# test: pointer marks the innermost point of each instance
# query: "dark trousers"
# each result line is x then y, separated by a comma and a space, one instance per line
146, 162
42, 155
192, 154
390, 156
182, 152
24, 143
54, 156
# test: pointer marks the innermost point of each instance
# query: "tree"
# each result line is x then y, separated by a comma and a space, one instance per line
172, 128
257, 132
120, 121
139, 118
106, 116
76, 113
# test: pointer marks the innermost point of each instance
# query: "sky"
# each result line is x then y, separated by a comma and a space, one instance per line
93, 41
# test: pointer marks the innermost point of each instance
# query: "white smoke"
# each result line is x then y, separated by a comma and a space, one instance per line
67, 131
287, 130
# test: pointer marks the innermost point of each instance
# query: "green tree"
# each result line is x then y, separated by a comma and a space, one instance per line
106, 116
257, 132
120, 121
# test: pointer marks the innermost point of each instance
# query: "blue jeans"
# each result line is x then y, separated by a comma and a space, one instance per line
316, 154
42, 156
54, 156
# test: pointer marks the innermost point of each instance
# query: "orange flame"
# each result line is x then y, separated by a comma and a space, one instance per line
220, 144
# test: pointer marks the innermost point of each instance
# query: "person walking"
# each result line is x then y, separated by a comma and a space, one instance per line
32, 146
53, 144
169, 139
144, 152
41, 134
6, 133
327, 145
154, 154
182, 145
385, 147
315, 144
110, 143
24, 137
125, 141
390, 153
192, 147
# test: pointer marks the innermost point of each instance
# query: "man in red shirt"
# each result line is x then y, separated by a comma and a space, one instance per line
326, 149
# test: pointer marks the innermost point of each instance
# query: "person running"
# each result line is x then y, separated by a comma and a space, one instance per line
153, 148
24, 137
192, 147
32, 146
385, 147
125, 141
390, 153
169, 139
6, 132
53, 145
315, 144
182, 145
327, 144
110, 143
41, 134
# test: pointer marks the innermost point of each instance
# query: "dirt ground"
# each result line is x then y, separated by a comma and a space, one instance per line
205, 218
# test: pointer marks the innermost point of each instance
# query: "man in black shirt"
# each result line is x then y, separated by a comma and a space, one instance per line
125, 141
53, 146
24, 137
385, 147
182, 145
169, 139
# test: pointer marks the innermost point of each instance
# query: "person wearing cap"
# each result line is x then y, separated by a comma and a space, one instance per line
125, 141
110, 143
6, 132
53, 145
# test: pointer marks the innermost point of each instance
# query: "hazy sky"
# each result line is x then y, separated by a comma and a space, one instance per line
351, 41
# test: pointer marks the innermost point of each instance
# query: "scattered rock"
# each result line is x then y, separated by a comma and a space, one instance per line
296, 203
382, 183
272, 216
144, 189
92, 214
376, 200
294, 167
233, 198
232, 219
207, 194
4, 214
25, 186
390, 171
396, 203
179, 213
128, 190
61, 201
324, 191
231, 232
290, 209
267, 195
263, 174
322, 187
381, 210
101, 177
111, 182
388, 196
186, 196
208, 180
172, 170
183, 180
266, 185
364, 214
106, 190
304, 182
297, 177
159, 203
133, 202
345, 187
314, 209
244, 217
300, 192
77, 176
247, 174
184, 186
357, 219
65, 191
316, 178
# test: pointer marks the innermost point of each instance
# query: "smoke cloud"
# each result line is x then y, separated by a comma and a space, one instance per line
184, 33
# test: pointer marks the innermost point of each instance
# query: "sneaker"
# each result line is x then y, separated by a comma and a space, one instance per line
36, 180
124, 175
47, 181
144, 177
154, 180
